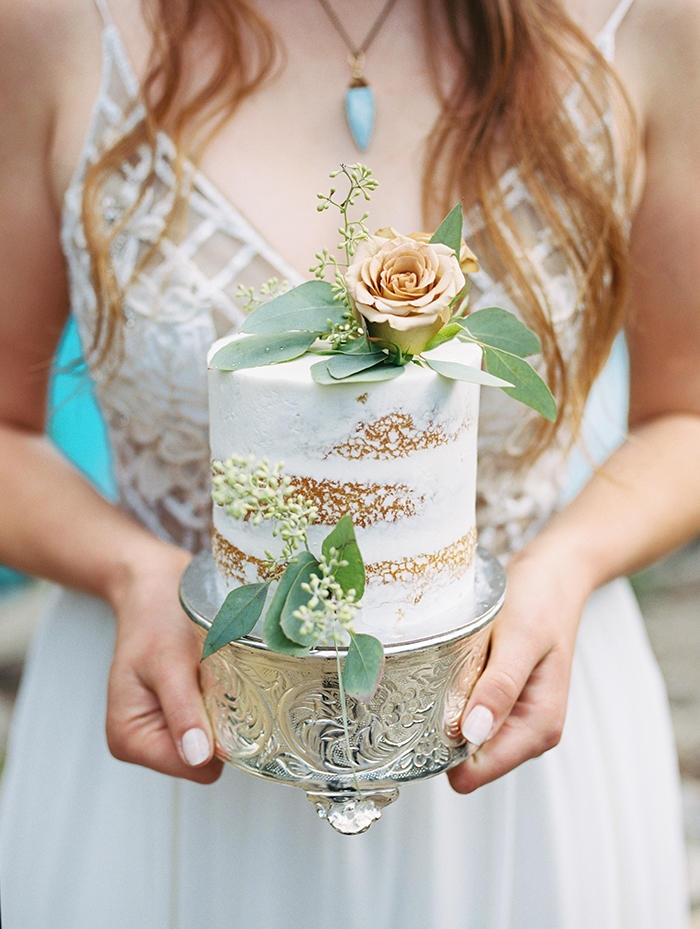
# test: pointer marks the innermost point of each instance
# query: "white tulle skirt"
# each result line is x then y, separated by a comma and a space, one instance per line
587, 837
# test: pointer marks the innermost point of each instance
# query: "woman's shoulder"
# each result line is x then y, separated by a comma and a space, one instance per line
34, 39
30, 26
658, 50
670, 28
50, 68
659, 15
659, 22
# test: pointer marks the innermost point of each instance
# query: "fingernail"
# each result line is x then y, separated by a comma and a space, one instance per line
477, 726
195, 746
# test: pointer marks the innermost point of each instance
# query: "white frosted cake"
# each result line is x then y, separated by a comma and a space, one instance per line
399, 456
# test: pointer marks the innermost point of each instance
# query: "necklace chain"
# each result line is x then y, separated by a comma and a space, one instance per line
358, 52
359, 97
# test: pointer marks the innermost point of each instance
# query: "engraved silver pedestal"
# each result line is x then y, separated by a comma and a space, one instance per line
280, 717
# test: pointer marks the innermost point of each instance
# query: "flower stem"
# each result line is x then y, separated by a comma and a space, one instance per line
344, 709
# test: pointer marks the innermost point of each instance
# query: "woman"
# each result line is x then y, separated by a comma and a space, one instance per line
511, 106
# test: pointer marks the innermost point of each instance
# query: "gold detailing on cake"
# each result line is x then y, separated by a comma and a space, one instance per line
426, 570
394, 436
366, 503
232, 562
419, 573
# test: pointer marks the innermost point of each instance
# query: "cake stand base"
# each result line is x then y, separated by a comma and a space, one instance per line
280, 717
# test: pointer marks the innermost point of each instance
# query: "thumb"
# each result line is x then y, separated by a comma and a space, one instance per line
156, 715
497, 690
178, 687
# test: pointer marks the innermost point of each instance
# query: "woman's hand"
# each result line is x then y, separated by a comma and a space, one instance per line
518, 705
155, 711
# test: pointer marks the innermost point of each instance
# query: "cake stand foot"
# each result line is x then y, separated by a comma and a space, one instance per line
352, 813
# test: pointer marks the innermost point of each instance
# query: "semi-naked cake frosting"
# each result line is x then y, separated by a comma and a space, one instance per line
399, 456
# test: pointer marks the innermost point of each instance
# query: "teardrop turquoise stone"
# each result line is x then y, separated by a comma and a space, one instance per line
359, 109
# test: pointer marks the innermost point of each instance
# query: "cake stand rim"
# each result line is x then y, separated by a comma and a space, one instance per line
198, 591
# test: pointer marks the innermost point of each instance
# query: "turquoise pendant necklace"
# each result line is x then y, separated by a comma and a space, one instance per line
359, 97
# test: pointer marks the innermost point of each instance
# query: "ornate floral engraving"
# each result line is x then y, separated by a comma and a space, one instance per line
280, 716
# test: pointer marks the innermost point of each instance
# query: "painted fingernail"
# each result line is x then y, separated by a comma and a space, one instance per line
195, 746
477, 726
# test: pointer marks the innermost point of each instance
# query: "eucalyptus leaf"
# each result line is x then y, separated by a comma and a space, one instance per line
461, 372
394, 355
273, 635
500, 329
449, 232
239, 613
528, 387
379, 372
342, 366
298, 597
255, 351
342, 538
358, 346
446, 334
309, 306
275, 639
363, 667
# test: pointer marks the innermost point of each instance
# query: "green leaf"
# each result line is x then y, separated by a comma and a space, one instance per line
239, 612
273, 635
461, 372
254, 351
297, 597
379, 372
363, 667
394, 354
449, 232
500, 329
275, 639
308, 306
358, 346
342, 538
528, 387
446, 334
342, 366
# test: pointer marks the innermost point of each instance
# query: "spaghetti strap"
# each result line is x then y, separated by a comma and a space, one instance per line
104, 12
605, 39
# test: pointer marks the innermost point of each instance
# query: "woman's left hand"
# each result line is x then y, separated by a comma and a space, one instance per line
518, 705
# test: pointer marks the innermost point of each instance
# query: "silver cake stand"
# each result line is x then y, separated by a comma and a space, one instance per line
280, 717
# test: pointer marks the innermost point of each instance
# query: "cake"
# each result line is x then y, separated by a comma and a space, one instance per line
398, 455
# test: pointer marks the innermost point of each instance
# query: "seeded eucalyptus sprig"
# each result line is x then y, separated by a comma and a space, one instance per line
316, 599
267, 291
360, 183
256, 490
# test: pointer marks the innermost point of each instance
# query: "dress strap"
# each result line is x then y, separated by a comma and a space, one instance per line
605, 39
104, 12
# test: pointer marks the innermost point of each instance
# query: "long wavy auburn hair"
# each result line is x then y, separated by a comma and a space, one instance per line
515, 61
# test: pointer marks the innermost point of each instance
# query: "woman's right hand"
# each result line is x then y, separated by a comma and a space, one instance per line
155, 711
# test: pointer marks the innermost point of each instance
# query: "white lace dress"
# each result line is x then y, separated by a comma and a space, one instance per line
586, 837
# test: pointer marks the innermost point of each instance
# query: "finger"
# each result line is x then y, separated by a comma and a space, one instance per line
514, 652
179, 692
532, 727
156, 716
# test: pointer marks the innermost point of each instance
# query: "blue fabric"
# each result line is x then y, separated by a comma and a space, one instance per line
75, 423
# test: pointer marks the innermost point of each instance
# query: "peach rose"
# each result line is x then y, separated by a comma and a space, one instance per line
403, 287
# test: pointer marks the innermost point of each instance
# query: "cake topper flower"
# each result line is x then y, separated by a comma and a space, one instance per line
395, 300
403, 288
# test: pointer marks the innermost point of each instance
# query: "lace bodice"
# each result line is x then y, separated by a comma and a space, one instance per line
155, 403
